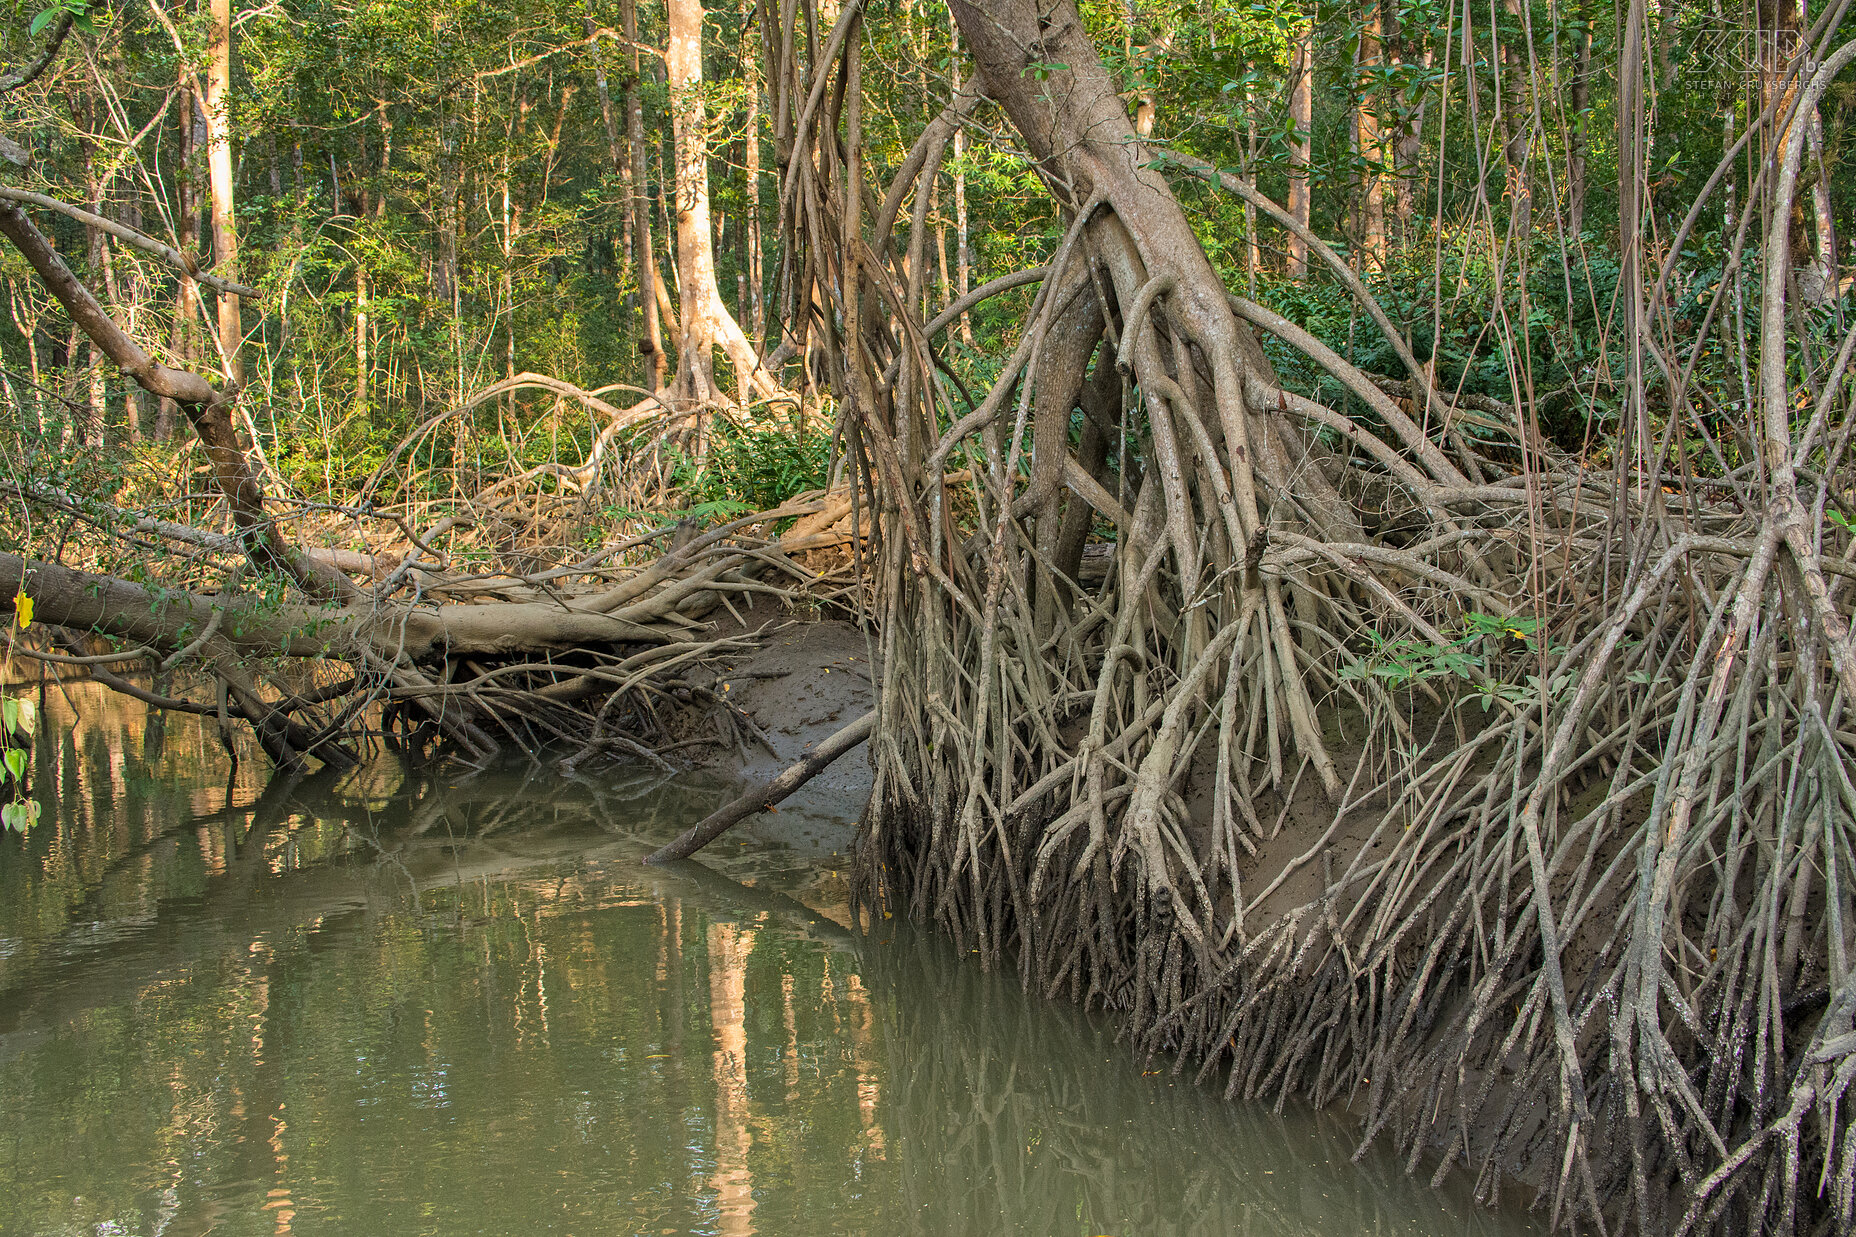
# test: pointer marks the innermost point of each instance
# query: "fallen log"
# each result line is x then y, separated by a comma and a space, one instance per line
728, 816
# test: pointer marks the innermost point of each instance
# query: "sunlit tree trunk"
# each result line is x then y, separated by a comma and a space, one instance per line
1824, 226
755, 307
446, 278
1781, 43
1406, 44
660, 201
363, 363
1301, 124
707, 324
1253, 246
219, 167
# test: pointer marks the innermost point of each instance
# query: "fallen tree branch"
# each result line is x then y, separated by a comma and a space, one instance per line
727, 817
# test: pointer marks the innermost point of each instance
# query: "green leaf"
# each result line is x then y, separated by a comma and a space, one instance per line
41, 21
16, 763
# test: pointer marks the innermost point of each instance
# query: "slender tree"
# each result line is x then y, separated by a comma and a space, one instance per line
1301, 139
707, 325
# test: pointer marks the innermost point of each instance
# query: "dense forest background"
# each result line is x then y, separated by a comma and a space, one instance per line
435, 197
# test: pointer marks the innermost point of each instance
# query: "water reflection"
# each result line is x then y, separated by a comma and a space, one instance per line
397, 1003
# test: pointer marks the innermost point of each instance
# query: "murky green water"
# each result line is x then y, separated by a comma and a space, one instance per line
391, 1005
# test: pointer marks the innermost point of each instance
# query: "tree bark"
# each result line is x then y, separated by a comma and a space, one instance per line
615, 150
1368, 144
183, 343
644, 260
1580, 98
96, 256
755, 308
1822, 286
707, 324
963, 248
1301, 137
1407, 45
219, 167
1517, 124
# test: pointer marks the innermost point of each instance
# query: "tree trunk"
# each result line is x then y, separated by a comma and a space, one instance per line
183, 340
614, 150
96, 253
1407, 44
755, 308
1822, 285
1516, 126
1253, 244
363, 362
1368, 144
707, 324
219, 165
1211, 367
1580, 97
1781, 43
644, 261
445, 281
1301, 137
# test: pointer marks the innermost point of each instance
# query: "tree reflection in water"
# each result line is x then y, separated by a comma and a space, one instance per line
1023, 1116
399, 1002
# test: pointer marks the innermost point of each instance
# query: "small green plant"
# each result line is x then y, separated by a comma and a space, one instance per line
1401, 662
18, 723
752, 468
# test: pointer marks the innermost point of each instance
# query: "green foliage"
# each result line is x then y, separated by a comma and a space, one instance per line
753, 468
77, 10
1480, 660
426, 188
19, 717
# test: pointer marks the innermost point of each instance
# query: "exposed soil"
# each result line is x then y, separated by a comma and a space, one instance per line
808, 679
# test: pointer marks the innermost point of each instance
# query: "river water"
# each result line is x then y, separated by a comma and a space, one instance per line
394, 1003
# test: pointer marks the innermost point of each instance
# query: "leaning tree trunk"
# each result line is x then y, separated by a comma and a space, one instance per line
1565, 755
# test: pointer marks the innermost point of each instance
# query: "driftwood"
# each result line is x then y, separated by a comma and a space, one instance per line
761, 798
